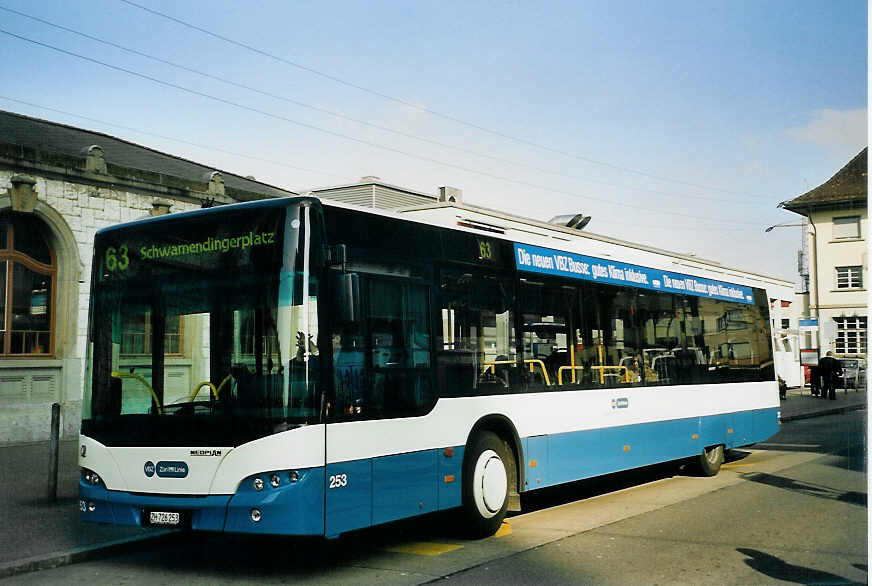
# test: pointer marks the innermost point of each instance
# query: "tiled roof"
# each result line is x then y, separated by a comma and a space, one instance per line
849, 185
52, 137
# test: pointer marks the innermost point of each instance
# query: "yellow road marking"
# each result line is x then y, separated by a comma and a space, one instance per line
505, 529
423, 548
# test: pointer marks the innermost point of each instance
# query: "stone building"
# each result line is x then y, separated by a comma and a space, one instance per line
838, 260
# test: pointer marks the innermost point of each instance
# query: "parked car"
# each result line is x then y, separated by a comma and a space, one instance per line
853, 373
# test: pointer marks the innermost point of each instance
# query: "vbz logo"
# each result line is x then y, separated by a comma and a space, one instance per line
149, 469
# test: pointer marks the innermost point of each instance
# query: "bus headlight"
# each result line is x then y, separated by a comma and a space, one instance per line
294, 476
91, 477
258, 483
274, 480
255, 515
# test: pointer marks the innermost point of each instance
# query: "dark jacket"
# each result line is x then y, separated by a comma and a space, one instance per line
829, 368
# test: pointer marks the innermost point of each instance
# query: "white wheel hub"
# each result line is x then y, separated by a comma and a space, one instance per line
490, 484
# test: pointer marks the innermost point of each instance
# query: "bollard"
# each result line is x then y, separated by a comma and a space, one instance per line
53, 453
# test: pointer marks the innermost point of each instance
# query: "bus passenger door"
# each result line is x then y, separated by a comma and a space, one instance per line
347, 478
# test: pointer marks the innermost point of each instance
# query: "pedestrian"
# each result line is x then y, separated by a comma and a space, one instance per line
814, 380
830, 370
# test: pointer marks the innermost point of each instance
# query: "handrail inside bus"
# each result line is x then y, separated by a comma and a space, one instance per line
200, 386
140, 378
562, 368
215, 391
490, 364
622, 371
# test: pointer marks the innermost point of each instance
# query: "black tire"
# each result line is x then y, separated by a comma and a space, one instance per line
486, 476
708, 463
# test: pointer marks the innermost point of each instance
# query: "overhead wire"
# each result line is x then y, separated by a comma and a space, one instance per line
320, 109
278, 163
427, 110
178, 140
358, 140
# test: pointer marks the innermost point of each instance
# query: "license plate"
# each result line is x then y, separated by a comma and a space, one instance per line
163, 518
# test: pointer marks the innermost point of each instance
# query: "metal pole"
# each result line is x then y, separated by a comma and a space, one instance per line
817, 311
53, 453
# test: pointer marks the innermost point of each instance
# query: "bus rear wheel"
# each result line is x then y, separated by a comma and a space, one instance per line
485, 485
710, 460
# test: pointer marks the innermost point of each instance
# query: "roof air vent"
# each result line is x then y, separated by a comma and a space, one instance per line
576, 222
450, 195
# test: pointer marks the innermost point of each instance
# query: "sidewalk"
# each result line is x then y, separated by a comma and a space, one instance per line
37, 534
800, 404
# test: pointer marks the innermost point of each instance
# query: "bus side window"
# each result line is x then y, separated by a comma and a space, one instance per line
476, 351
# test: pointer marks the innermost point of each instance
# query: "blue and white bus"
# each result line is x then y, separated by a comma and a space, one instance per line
299, 367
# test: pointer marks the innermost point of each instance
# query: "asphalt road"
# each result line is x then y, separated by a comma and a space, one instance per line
792, 510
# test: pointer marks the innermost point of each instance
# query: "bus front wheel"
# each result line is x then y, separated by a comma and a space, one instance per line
485, 485
710, 460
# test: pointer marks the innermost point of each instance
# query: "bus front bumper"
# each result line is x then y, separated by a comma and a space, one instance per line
291, 508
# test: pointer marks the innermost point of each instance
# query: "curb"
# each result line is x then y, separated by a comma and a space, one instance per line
822, 412
77, 555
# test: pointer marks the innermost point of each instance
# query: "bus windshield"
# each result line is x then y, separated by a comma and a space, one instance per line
203, 329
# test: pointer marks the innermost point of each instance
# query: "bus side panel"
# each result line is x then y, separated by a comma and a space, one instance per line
449, 478
349, 496
404, 485
536, 455
713, 430
765, 423
740, 429
573, 456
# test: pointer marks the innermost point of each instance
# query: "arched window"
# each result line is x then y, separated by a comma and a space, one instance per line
28, 274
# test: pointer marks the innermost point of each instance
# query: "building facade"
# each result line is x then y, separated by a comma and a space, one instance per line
836, 228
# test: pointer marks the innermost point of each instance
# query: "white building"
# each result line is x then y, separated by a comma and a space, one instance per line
838, 260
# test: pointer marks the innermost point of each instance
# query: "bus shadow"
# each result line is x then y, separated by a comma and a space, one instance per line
545, 498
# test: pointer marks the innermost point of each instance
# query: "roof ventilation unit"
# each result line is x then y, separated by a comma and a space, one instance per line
576, 222
450, 195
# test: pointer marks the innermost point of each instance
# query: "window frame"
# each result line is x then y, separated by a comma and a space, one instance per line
853, 345
147, 350
849, 274
10, 256
847, 220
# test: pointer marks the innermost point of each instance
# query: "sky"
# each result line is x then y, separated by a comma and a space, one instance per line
674, 124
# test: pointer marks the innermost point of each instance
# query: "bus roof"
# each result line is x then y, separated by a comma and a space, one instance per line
496, 224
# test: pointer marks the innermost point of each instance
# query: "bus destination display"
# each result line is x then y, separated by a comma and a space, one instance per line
546, 261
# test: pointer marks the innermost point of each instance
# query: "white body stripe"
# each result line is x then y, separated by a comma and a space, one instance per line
533, 414
448, 424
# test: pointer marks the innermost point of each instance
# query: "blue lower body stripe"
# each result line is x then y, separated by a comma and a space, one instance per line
344, 496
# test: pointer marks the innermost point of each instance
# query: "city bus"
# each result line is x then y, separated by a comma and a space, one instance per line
300, 367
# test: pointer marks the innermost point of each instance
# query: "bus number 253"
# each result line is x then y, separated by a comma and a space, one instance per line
338, 480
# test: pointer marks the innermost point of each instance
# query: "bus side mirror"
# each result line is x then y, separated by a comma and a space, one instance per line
346, 296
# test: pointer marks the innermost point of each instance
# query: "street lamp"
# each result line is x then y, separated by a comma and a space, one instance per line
770, 228
813, 234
